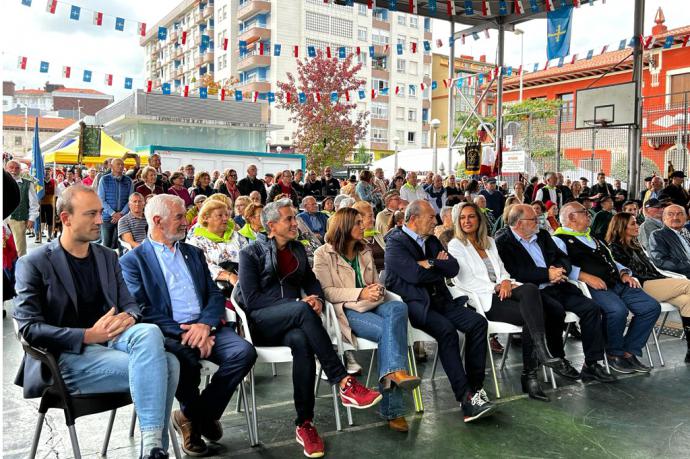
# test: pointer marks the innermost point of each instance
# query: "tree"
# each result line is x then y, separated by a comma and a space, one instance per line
327, 132
619, 169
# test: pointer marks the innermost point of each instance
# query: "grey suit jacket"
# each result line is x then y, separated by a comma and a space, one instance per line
667, 252
45, 292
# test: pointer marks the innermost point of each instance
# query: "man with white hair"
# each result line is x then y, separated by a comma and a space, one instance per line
26, 213
114, 190
550, 191
171, 280
315, 220
612, 287
668, 248
436, 193
252, 183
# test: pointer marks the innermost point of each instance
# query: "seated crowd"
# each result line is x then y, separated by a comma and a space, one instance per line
380, 253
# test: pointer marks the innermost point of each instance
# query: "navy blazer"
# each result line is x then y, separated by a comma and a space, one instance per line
412, 282
144, 278
45, 292
667, 252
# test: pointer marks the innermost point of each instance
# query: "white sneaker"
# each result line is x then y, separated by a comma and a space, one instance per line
353, 368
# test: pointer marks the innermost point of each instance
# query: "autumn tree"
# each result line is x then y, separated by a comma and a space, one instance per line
327, 132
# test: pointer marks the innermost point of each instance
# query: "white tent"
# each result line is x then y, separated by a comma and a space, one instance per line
418, 159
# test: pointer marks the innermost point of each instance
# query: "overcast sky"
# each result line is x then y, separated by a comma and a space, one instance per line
34, 33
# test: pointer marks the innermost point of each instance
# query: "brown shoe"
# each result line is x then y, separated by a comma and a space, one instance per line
192, 444
496, 346
399, 424
212, 430
402, 379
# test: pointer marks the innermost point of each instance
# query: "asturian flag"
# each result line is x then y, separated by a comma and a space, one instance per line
559, 27
37, 169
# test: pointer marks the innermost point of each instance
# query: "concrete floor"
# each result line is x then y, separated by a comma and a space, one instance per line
641, 416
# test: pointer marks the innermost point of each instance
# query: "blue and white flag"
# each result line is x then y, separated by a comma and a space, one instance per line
203, 92
590, 54
559, 27
276, 49
37, 169
270, 97
302, 98
163, 33
44, 67
427, 45
668, 42
128, 83
165, 88
341, 52
361, 94
74, 13
87, 76
399, 48
334, 97
120, 24
434, 85
311, 51
238, 95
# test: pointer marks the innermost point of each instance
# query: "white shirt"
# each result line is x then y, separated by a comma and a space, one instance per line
410, 194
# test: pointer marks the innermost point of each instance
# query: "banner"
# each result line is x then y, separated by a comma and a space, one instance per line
472, 157
513, 162
559, 24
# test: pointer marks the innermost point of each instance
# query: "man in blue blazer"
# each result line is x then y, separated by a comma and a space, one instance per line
72, 300
416, 269
172, 284
668, 248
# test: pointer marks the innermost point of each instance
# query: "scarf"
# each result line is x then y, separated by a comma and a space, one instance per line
200, 231
407, 185
371, 233
248, 232
570, 232
285, 189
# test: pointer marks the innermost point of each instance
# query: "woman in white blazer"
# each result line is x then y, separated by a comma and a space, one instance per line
500, 299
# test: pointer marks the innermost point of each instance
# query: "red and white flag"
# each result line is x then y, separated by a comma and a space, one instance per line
649, 42
397, 90
142, 29
413, 6
288, 97
359, 50
328, 52
486, 33
225, 44
462, 38
317, 97
261, 48
519, 9
370, 4
574, 59
446, 82
185, 91
149, 85
549, 5
108, 79
576, 3
450, 7
414, 47
97, 18
51, 6
255, 96
422, 86
486, 8
685, 41
546, 66
373, 94
221, 95
66, 71
184, 37
295, 51
347, 96
519, 72
604, 49
386, 49
21, 62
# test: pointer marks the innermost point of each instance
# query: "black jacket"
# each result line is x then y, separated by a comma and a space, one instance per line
413, 283
519, 263
246, 186
677, 194
331, 187
667, 252
276, 190
314, 189
260, 284
636, 261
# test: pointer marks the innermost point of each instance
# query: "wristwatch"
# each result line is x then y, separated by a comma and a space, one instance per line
134, 316
431, 262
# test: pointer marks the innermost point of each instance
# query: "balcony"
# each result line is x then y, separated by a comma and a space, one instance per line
380, 50
198, 61
252, 8
254, 85
426, 103
428, 35
173, 36
207, 57
378, 24
380, 73
427, 59
250, 61
379, 123
207, 12
255, 33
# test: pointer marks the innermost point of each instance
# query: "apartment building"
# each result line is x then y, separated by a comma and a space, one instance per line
401, 115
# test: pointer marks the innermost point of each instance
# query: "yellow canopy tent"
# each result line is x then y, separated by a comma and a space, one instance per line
68, 152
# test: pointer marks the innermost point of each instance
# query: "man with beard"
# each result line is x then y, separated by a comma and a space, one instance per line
26, 213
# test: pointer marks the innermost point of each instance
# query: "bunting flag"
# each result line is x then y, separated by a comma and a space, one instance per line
446, 82
372, 50
534, 7
44, 67
225, 44
261, 48
221, 95
370, 4
439, 43
98, 18
203, 92
685, 41
358, 50
502, 7
108, 79
163, 33
288, 97
549, 6
302, 98
431, 6
87, 76
450, 7
22, 63
604, 49
397, 90
399, 48
185, 91
255, 96
142, 29
51, 6
486, 8
475, 35
26, 2
574, 59
342, 54
149, 85
422, 86
517, 5
427, 46
434, 85
362, 95
316, 96
66, 71
649, 42
276, 49
74, 13
311, 51
469, 7
128, 83
486, 33
243, 47
328, 52
120, 24
462, 38
270, 97
347, 96
393, 5
334, 97
238, 95
668, 42
576, 3
184, 37
386, 49
413, 47
590, 54
560, 61
295, 51
412, 7
373, 94
166, 89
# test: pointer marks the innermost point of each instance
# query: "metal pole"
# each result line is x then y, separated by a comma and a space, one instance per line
499, 94
591, 163
684, 137
635, 139
451, 98
395, 159
558, 139
26, 129
522, 48
434, 157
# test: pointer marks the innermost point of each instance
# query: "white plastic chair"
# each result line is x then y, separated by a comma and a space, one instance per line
494, 327
272, 355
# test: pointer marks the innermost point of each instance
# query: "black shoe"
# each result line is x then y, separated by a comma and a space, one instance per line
541, 352
566, 370
212, 430
531, 387
638, 366
596, 372
620, 364
474, 406
687, 355
156, 453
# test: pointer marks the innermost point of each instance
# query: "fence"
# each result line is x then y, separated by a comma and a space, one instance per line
551, 141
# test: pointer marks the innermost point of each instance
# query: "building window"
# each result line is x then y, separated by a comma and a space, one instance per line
341, 27
362, 9
401, 89
402, 20
414, 21
379, 111
362, 34
411, 135
401, 65
401, 40
379, 135
425, 138
412, 114
680, 84
413, 68
400, 113
379, 38
379, 84
412, 90
317, 22
17, 141
567, 103
380, 14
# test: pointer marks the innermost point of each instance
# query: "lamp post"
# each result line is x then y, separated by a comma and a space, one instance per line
279, 149
396, 141
268, 144
435, 123
522, 48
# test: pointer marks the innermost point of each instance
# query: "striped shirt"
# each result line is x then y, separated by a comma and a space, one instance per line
131, 224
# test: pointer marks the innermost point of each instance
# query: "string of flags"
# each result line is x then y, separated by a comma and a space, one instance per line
78, 13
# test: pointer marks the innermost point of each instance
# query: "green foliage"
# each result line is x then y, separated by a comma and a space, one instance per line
619, 169
361, 155
537, 108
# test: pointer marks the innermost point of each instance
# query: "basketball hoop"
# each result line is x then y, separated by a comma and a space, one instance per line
598, 123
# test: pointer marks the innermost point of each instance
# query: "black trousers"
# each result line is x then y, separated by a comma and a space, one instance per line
443, 323
296, 325
523, 308
234, 357
567, 297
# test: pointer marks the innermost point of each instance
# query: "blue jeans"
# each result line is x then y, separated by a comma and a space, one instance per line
387, 326
136, 362
615, 304
109, 234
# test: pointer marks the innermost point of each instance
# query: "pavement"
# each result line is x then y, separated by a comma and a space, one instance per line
640, 416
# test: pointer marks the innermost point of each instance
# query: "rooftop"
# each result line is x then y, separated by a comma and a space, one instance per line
52, 124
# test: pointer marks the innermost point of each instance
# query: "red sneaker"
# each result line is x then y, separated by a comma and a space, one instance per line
355, 395
307, 436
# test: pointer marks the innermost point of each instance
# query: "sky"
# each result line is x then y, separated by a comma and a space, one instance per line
38, 35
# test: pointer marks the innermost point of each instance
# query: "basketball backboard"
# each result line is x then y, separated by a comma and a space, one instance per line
605, 106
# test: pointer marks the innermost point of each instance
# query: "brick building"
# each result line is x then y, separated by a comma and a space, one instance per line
18, 132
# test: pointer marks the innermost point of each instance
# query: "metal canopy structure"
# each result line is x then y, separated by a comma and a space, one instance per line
477, 22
